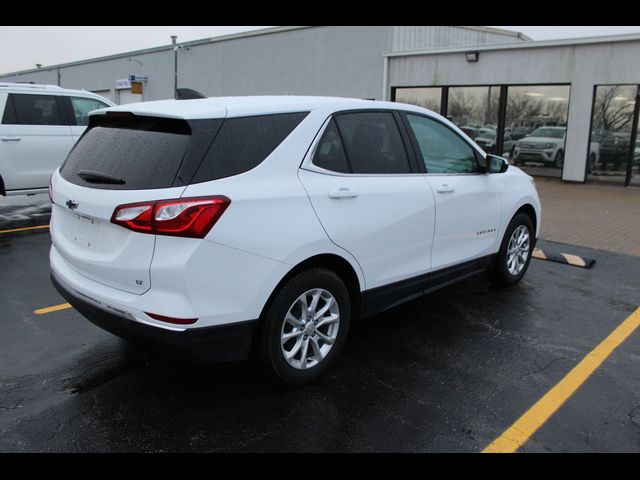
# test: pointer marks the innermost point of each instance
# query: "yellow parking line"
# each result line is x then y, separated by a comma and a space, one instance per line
55, 308
23, 229
518, 433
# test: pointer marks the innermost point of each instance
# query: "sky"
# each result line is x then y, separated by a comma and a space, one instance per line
23, 47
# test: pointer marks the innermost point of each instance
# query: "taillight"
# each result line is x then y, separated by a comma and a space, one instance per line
182, 217
50, 190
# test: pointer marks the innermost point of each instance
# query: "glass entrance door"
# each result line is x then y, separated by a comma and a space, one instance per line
614, 124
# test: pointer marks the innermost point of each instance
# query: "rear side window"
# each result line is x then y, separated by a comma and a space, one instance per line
330, 152
25, 109
373, 143
142, 152
243, 143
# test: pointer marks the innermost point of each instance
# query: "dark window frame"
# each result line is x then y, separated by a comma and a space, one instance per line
634, 131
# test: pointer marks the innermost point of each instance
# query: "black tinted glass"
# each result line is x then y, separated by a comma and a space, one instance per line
243, 143
373, 143
330, 152
32, 110
145, 153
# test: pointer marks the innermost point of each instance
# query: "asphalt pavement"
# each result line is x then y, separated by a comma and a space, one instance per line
446, 373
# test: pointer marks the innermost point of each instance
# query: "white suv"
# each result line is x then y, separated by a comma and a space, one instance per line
224, 226
40, 124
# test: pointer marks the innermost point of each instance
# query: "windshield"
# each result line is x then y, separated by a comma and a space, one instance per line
548, 132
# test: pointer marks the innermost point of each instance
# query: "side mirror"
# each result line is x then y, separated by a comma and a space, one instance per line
496, 164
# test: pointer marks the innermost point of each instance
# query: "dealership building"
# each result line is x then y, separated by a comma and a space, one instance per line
565, 108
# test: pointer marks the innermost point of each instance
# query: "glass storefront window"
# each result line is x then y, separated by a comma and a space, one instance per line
475, 111
429, 97
535, 128
635, 167
611, 134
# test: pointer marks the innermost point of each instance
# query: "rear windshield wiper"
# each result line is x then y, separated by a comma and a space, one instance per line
97, 177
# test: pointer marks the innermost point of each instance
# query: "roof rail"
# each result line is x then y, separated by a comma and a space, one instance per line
30, 85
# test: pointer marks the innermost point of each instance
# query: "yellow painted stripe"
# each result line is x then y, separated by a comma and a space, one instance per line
537, 253
518, 433
24, 229
55, 308
574, 260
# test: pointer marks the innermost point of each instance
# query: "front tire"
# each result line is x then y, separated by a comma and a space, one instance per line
515, 252
305, 327
558, 160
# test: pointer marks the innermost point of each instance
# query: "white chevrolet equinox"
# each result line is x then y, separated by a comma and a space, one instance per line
224, 227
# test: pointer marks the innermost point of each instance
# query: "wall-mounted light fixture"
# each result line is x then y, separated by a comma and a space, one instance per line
472, 56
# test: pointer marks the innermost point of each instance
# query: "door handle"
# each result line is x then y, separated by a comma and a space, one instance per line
343, 193
445, 188
10, 139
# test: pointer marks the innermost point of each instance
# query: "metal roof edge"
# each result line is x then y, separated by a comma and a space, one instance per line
631, 37
222, 38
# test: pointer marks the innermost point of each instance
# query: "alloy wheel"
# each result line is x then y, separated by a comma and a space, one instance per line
310, 329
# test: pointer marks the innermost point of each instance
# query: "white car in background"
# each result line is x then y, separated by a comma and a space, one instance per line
224, 226
543, 145
38, 128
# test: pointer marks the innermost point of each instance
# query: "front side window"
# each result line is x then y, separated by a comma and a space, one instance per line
82, 107
26, 109
372, 143
442, 150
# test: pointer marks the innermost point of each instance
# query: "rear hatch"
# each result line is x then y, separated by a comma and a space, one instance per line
121, 159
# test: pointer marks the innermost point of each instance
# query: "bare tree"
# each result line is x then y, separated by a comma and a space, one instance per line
610, 113
462, 105
520, 107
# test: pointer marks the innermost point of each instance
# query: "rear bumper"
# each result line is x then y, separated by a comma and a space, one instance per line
222, 343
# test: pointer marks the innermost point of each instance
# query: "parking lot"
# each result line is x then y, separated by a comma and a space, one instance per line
450, 372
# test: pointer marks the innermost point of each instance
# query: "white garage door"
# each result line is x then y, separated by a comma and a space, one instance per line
125, 96
104, 93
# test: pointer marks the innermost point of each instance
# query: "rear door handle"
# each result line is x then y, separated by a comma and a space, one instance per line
343, 193
10, 139
445, 188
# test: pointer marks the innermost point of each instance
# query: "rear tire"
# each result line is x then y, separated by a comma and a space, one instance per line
302, 337
515, 252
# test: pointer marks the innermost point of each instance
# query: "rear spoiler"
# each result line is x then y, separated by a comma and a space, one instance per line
187, 94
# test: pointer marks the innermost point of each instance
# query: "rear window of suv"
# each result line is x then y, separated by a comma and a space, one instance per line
128, 152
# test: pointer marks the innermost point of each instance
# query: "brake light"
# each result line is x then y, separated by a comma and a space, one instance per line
182, 217
50, 190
